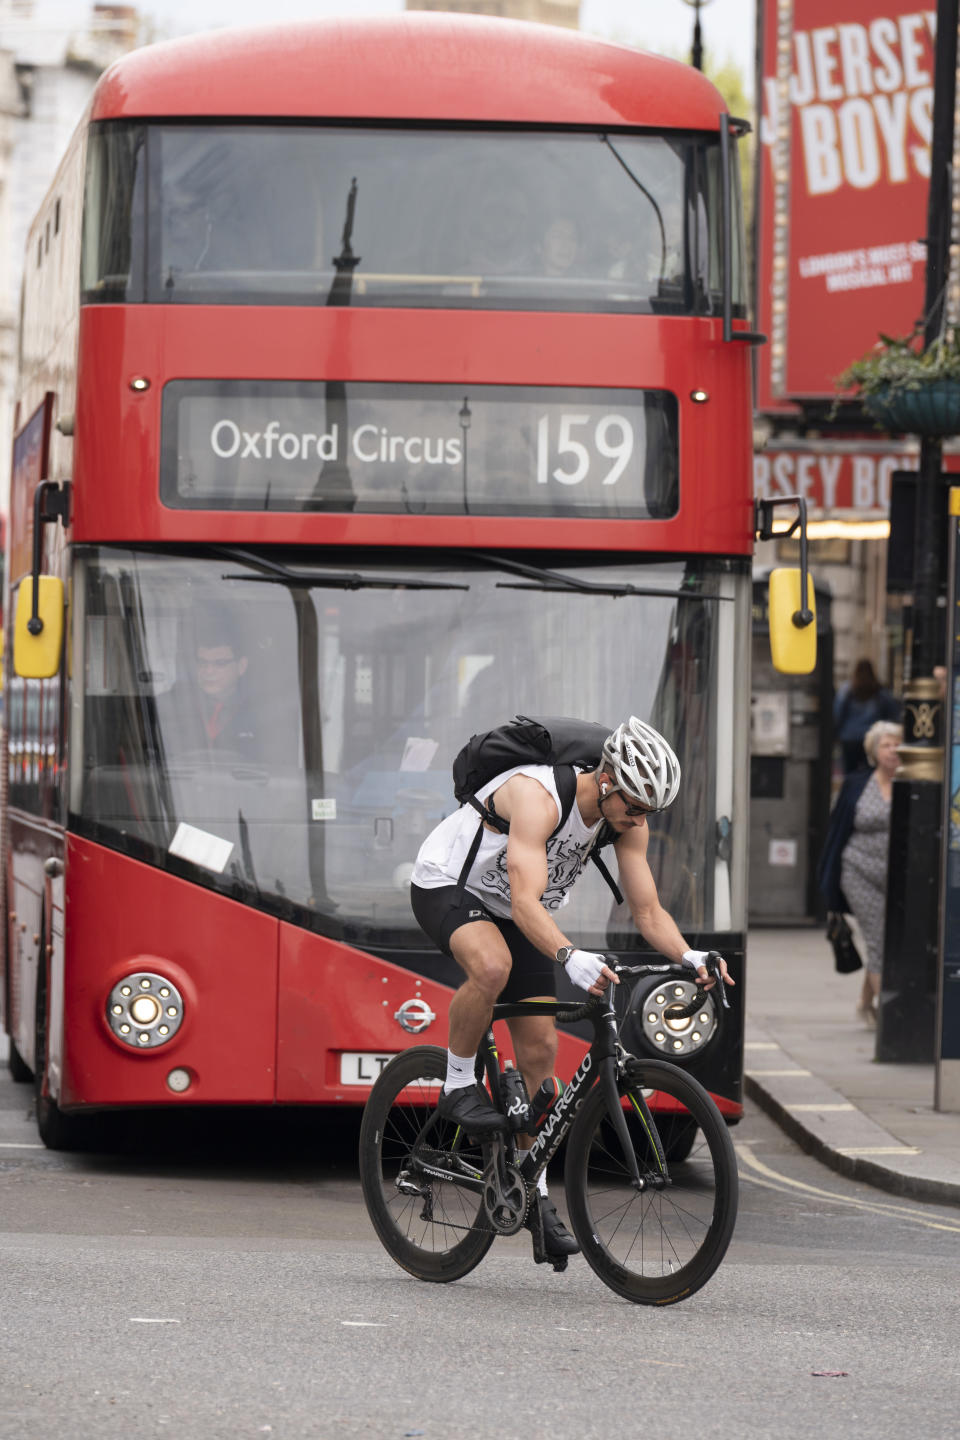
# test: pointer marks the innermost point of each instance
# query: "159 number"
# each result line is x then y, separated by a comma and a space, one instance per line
611, 439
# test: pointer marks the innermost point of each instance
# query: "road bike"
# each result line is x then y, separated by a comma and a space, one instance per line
650, 1170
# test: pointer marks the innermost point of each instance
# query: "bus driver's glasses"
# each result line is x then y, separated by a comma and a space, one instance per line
218, 670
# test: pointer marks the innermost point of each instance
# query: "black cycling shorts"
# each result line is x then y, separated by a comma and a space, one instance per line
441, 911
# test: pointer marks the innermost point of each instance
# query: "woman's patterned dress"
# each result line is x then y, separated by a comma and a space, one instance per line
863, 870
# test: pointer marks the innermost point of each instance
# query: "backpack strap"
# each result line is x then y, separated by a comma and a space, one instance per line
565, 778
612, 884
605, 836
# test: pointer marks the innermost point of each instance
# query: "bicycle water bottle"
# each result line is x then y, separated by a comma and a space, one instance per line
544, 1100
516, 1101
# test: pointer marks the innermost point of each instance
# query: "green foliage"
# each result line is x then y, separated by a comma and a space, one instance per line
901, 363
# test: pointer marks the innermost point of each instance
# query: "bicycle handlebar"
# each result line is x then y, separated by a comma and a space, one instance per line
680, 972
570, 1014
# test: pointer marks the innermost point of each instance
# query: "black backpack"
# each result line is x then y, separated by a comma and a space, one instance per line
553, 740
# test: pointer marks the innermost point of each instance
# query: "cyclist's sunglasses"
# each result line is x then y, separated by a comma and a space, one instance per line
633, 810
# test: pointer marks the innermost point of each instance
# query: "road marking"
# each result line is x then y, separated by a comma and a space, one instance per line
773, 1180
760, 1045
821, 1109
752, 1071
21, 1145
672, 1364
151, 1320
879, 1150
643, 1359
367, 1324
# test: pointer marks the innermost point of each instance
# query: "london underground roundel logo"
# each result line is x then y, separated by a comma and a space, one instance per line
414, 1016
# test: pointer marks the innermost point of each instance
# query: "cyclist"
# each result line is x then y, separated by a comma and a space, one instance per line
499, 925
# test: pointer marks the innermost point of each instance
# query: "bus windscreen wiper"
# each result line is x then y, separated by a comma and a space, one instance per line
643, 189
543, 579
273, 572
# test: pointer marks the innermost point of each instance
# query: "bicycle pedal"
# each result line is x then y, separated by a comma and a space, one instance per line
534, 1223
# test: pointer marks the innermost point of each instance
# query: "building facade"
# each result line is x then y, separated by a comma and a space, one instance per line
47, 74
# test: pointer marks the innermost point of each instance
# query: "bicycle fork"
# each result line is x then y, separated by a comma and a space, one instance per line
654, 1179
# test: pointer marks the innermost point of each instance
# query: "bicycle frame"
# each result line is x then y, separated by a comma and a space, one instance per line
598, 1066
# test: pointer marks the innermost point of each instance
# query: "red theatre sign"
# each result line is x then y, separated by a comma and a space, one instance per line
845, 131
838, 478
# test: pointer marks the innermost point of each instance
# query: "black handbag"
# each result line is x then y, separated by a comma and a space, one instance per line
846, 956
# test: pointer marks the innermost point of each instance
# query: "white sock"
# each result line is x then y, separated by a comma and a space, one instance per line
542, 1182
461, 1072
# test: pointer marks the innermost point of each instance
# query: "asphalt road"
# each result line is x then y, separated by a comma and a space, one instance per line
221, 1280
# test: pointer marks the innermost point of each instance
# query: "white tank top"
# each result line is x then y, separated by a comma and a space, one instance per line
445, 849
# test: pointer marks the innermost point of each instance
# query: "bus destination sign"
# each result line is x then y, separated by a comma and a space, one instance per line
419, 449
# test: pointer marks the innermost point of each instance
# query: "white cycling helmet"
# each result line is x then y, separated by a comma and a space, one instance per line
642, 764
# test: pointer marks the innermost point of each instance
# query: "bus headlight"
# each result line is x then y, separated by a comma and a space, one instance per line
144, 1010
665, 1030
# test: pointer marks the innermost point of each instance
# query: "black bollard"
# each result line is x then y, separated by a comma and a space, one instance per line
906, 1018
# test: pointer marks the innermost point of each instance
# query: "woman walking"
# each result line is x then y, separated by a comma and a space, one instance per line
853, 870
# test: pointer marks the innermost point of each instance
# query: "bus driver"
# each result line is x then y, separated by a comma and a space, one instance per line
500, 927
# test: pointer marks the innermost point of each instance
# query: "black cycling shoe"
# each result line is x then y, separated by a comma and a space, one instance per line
557, 1239
472, 1108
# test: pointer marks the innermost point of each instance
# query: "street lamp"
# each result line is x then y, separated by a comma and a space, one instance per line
696, 54
464, 415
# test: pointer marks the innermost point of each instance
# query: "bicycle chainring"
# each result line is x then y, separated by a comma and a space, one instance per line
505, 1201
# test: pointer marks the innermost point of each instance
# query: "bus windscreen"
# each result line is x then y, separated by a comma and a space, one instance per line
243, 214
284, 731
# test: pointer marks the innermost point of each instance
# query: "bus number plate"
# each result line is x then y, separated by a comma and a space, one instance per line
361, 1067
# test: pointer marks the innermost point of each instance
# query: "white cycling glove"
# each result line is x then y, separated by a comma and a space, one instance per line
584, 968
696, 958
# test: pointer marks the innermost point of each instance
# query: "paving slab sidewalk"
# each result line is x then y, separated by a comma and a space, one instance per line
810, 1065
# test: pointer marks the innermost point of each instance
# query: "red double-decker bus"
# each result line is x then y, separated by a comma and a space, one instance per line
380, 380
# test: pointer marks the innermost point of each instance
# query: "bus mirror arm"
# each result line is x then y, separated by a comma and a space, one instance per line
51, 502
731, 127
763, 523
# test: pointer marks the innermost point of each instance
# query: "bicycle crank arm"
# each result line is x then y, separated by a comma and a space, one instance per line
505, 1194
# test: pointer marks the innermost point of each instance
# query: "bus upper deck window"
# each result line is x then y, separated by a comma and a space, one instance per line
114, 215
254, 214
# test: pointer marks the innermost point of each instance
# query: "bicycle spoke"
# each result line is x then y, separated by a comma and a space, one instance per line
656, 1244
431, 1225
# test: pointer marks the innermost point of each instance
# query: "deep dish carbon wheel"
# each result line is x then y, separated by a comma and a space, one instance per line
657, 1245
433, 1227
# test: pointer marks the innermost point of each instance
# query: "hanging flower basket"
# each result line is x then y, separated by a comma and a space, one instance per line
909, 388
930, 409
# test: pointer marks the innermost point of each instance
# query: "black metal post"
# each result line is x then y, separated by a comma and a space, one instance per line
696, 55
907, 1009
